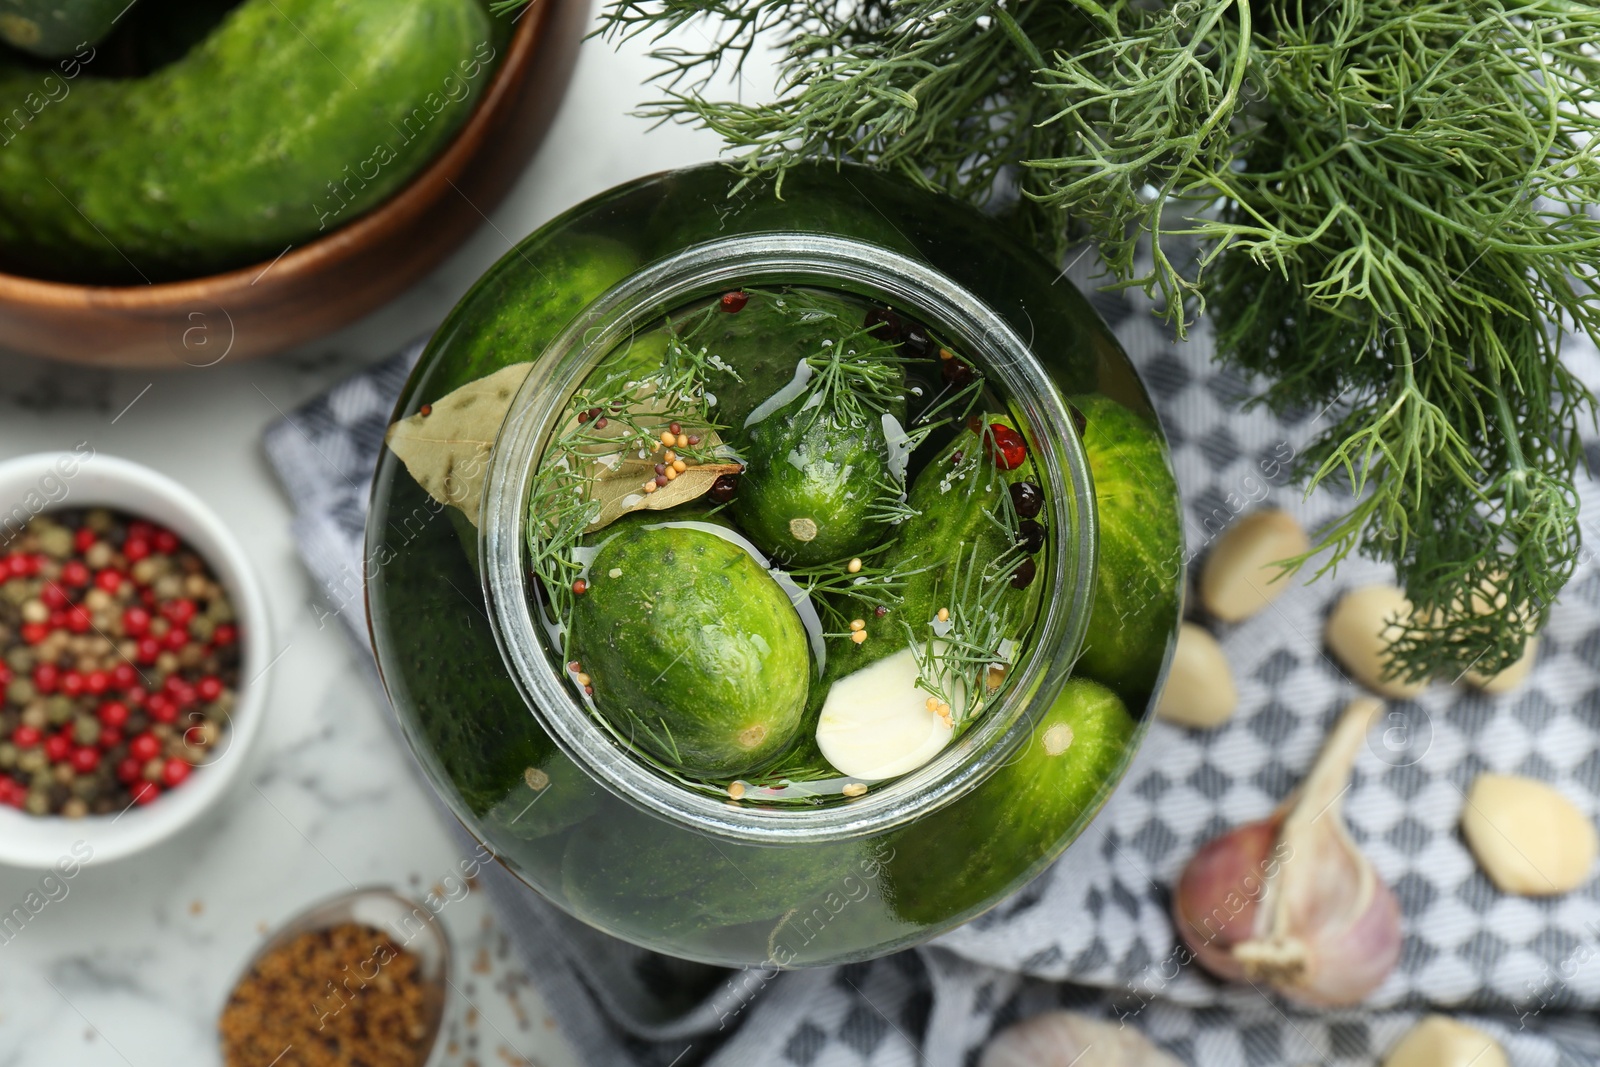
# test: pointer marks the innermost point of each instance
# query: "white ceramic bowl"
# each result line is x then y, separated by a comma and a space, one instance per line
46, 480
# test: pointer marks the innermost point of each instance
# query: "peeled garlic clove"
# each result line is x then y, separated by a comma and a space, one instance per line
1241, 575
1528, 838
876, 723
1290, 901
1067, 1039
1440, 1041
1199, 690
1359, 631
1512, 676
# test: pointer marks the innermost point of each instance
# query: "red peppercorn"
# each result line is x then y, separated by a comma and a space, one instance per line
53, 596
135, 621
580, 587
147, 597
129, 769
34, 632
71, 684
149, 649
85, 759
74, 574
83, 540
113, 713
426, 410
179, 611
25, 736
208, 688
175, 639
12, 793
110, 739
583, 417
78, 620
58, 619
161, 708
25, 566
145, 792
144, 748
141, 529
734, 302
46, 677
109, 580
165, 542
96, 682
5, 675
1007, 446
123, 676
226, 634
174, 772
135, 549
57, 747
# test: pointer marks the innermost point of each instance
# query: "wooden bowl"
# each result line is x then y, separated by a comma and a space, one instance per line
318, 287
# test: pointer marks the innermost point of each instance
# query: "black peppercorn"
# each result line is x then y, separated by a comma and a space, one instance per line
1030, 535
724, 488
1027, 498
1023, 576
883, 324
955, 372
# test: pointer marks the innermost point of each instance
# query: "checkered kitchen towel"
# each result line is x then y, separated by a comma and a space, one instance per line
1092, 933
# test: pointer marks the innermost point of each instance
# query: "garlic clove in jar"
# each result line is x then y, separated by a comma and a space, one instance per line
1199, 691
1440, 1041
1290, 901
1067, 1039
877, 722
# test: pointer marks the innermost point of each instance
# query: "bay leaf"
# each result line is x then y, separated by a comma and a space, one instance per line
447, 450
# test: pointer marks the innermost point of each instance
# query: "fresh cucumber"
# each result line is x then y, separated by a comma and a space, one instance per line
958, 526
56, 28
292, 118
812, 485
1136, 592
694, 651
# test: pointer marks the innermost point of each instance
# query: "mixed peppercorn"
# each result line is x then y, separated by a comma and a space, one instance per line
119, 660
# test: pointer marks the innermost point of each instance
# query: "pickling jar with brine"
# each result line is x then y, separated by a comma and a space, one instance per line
774, 580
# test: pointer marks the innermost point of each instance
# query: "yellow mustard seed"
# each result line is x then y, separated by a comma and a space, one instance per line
736, 790
854, 789
859, 636
944, 614
679, 465
683, 440
667, 437
858, 624
854, 566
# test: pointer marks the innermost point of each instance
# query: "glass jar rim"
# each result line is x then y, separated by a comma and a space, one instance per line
787, 258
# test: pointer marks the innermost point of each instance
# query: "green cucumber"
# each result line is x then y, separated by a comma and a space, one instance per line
694, 651
292, 118
1136, 591
1007, 829
56, 28
958, 503
811, 486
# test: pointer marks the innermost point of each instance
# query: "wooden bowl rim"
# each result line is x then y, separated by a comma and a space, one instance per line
410, 202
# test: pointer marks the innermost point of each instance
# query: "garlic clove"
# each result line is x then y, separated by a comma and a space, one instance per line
1241, 575
1290, 901
1359, 631
1512, 676
1068, 1039
1440, 1041
1528, 838
1199, 691
876, 723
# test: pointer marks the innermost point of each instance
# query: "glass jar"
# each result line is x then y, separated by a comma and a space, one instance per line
486, 699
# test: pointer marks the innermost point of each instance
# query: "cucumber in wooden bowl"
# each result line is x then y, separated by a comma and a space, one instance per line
290, 119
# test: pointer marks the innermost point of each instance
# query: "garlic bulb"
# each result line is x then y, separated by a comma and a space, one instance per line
1067, 1039
1290, 901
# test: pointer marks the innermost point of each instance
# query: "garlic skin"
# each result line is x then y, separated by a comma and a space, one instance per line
1290, 901
1067, 1039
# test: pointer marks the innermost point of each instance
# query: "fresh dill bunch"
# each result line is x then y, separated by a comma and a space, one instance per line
1385, 205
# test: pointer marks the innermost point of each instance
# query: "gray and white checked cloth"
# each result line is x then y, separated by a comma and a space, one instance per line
1092, 933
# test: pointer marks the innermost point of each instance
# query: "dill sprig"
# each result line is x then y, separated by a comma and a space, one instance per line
1386, 205
955, 667
840, 594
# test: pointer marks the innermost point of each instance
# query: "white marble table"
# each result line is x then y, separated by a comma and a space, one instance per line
132, 966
